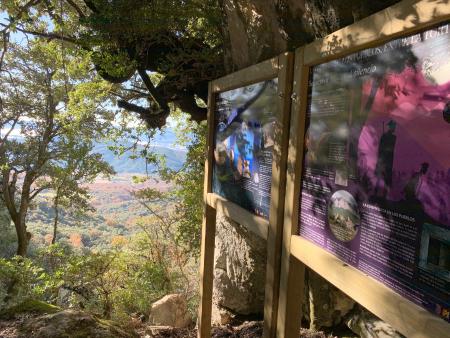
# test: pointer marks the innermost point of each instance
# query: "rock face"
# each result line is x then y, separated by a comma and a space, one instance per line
239, 275
255, 30
366, 325
327, 305
171, 310
71, 324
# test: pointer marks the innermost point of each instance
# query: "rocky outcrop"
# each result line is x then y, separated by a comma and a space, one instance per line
170, 310
255, 30
239, 275
327, 305
71, 324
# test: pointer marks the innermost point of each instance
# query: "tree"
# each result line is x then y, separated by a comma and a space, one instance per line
187, 42
7, 234
66, 181
52, 110
188, 181
5, 220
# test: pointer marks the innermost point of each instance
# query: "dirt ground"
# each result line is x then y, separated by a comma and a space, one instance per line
245, 330
10, 329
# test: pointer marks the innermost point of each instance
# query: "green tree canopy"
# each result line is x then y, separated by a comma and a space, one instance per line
52, 110
187, 43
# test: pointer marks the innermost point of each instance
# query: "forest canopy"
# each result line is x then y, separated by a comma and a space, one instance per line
163, 53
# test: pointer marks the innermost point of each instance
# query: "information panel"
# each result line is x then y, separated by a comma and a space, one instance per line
244, 141
376, 178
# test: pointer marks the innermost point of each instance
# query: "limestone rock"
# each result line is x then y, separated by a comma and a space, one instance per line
222, 316
239, 274
71, 324
366, 325
171, 310
327, 304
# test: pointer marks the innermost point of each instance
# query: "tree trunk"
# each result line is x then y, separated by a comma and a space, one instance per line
18, 216
23, 238
55, 222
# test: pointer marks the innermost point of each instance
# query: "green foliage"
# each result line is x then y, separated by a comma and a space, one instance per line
147, 282
7, 235
189, 182
111, 284
5, 219
29, 306
59, 117
61, 108
180, 41
22, 279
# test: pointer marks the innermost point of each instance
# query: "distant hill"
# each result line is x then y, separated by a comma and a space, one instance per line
162, 144
175, 158
116, 214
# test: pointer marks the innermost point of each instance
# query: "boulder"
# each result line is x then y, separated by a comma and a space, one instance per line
331, 308
239, 274
71, 324
171, 310
366, 325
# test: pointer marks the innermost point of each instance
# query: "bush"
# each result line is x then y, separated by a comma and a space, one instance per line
22, 279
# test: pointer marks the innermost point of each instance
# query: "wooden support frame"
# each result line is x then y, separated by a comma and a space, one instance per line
297, 253
271, 230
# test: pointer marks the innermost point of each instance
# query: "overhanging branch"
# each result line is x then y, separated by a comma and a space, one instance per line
153, 119
76, 8
153, 90
49, 35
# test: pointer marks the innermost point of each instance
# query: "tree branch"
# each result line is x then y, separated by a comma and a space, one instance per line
50, 36
5, 46
153, 90
187, 104
153, 119
35, 192
90, 4
10, 130
76, 8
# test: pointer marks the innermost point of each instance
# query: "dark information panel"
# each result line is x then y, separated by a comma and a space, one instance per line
244, 141
376, 178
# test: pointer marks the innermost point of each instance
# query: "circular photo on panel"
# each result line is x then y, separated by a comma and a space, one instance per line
343, 216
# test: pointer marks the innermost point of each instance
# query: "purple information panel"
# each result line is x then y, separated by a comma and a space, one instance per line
376, 178
244, 140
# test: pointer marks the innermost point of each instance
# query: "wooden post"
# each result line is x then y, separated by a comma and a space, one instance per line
208, 233
275, 233
292, 271
207, 272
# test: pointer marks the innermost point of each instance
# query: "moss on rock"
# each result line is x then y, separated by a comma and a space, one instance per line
29, 306
72, 324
